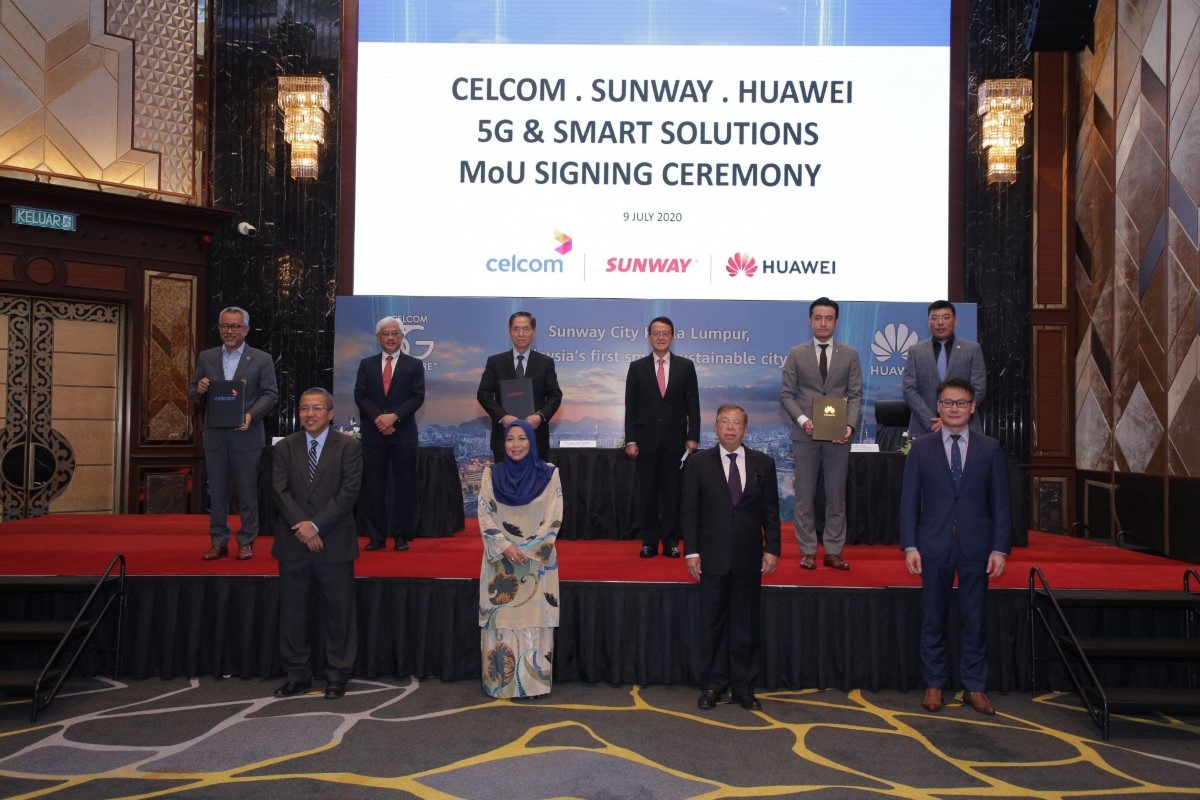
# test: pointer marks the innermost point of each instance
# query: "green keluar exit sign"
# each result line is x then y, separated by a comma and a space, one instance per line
41, 218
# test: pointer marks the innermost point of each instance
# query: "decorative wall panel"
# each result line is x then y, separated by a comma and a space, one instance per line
100, 100
1137, 182
169, 356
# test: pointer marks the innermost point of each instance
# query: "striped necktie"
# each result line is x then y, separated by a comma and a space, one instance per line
312, 459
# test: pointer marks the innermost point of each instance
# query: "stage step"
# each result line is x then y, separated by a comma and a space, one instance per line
14, 635
1078, 653
20, 682
1135, 701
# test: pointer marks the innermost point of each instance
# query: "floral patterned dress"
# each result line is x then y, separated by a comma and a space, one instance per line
518, 604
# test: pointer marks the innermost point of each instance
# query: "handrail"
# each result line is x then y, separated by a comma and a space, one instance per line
1188, 573
1087, 528
1099, 716
38, 705
1128, 534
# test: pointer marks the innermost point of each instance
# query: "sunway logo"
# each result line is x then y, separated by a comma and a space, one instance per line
893, 340
741, 264
648, 264
564, 242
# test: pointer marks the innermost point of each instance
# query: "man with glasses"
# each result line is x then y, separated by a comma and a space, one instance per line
389, 389
731, 536
662, 423
954, 518
933, 360
315, 476
231, 454
520, 362
821, 367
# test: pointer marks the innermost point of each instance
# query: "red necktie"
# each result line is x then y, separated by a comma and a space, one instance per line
387, 375
662, 377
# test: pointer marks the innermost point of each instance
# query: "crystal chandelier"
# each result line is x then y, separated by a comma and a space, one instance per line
304, 100
1003, 104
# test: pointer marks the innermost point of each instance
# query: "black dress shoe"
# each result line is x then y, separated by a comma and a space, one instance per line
335, 689
749, 702
293, 688
401, 544
671, 551
375, 546
648, 551
708, 700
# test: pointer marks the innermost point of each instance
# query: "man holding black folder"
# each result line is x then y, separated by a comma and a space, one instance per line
520, 384
822, 394
236, 386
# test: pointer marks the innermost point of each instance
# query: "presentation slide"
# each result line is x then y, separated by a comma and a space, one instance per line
547, 149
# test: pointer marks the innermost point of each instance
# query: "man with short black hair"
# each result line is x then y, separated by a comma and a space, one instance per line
520, 362
931, 361
662, 423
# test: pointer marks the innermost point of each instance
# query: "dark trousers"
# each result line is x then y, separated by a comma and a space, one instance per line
389, 473
656, 494
729, 612
937, 592
335, 587
239, 467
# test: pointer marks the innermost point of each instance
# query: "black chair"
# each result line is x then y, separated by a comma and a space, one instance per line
891, 421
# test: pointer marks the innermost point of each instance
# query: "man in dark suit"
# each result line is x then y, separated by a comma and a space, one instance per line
662, 422
954, 517
316, 475
821, 367
520, 362
933, 360
389, 389
233, 453
731, 537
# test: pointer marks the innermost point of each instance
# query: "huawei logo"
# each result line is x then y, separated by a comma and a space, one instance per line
892, 340
741, 264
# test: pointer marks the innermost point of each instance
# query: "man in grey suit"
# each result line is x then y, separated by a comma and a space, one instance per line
936, 359
817, 368
233, 453
316, 476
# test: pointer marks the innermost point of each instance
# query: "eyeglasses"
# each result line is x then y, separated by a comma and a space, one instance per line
955, 403
313, 408
230, 326
525, 329
730, 423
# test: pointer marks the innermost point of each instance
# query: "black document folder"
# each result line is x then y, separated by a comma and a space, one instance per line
829, 418
516, 396
226, 404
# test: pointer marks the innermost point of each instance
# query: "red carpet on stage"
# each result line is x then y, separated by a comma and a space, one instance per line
67, 544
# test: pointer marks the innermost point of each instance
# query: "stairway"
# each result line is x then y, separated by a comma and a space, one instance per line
28, 641
1049, 630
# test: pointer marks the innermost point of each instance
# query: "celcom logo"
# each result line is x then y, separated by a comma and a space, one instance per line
741, 264
890, 341
515, 263
564, 242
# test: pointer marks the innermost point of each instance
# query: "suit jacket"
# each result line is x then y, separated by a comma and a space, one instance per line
546, 395
405, 395
730, 539
328, 500
933, 511
920, 382
655, 421
257, 369
802, 382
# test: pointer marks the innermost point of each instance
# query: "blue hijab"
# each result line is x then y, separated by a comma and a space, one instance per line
517, 483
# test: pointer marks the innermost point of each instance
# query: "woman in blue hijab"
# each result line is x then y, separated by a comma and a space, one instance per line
520, 512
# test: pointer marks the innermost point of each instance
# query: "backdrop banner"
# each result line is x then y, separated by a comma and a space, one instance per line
739, 347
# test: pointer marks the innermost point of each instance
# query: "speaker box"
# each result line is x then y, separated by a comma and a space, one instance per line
1059, 25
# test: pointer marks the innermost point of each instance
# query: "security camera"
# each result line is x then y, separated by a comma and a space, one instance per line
246, 229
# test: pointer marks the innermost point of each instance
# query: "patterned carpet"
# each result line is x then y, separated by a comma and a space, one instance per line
232, 740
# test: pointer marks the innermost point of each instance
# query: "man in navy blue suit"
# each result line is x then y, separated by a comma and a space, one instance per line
954, 518
389, 389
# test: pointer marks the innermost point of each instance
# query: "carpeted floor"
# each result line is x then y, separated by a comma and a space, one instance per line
232, 740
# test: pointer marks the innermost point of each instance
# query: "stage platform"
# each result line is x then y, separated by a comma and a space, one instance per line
625, 619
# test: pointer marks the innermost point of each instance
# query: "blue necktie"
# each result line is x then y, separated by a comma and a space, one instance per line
312, 460
520, 366
941, 360
955, 459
